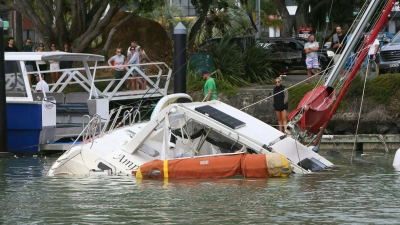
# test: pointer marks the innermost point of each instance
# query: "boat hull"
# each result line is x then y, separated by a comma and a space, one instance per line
29, 124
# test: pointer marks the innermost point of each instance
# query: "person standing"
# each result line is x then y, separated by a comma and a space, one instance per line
338, 43
133, 58
210, 89
311, 48
41, 86
10, 66
280, 98
10, 47
42, 64
372, 57
29, 65
66, 64
133, 45
54, 65
143, 59
119, 65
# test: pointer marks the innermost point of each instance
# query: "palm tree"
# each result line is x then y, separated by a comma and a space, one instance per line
168, 15
233, 21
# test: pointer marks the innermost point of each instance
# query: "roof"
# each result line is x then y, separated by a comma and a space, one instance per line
45, 56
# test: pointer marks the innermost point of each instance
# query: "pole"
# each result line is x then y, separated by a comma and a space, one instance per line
258, 21
180, 58
3, 109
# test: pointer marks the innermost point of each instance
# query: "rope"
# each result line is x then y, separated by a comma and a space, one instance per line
359, 117
265, 99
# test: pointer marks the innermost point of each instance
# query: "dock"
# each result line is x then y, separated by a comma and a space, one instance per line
382, 143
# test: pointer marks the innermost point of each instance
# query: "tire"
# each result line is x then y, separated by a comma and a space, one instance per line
322, 65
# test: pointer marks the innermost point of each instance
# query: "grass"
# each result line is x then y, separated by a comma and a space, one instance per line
383, 89
195, 83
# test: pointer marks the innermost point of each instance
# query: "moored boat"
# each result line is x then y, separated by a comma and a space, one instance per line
48, 121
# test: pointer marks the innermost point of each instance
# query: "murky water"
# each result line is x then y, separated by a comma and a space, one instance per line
351, 194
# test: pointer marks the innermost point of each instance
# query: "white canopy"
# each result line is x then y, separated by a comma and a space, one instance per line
46, 56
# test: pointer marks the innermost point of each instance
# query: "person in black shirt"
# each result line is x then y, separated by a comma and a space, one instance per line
280, 97
10, 66
10, 47
338, 43
66, 64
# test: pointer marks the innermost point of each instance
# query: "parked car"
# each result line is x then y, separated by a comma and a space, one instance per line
241, 41
384, 37
389, 56
296, 45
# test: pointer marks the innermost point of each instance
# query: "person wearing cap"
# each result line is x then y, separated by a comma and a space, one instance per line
210, 89
41, 86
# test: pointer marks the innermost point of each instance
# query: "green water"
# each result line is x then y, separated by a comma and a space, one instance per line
350, 194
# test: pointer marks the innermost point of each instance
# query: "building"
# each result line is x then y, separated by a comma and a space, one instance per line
28, 30
187, 5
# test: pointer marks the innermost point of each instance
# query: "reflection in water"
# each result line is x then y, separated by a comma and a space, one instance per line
349, 194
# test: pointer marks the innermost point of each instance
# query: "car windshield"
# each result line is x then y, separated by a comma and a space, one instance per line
396, 38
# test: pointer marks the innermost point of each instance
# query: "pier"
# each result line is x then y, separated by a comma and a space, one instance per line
382, 143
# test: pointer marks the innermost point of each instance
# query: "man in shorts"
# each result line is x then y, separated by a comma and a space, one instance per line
311, 48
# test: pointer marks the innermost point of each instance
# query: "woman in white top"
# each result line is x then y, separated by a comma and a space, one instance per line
54, 65
373, 58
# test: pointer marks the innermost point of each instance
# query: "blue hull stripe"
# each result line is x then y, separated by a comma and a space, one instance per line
24, 124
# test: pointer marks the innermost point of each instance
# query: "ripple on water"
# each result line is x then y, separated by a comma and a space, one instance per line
350, 194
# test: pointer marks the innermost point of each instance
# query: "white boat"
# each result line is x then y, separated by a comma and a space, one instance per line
183, 130
38, 122
202, 135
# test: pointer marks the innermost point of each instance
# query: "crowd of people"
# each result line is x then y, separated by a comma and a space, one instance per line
41, 65
135, 56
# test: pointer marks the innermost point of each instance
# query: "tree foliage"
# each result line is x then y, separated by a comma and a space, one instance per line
78, 22
340, 13
203, 7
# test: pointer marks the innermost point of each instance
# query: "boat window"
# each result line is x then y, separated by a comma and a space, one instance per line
15, 84
194, 130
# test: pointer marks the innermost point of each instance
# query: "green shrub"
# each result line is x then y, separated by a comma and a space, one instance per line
297, 93
195, 83
240, 66
229, 64
257, 69
383, 87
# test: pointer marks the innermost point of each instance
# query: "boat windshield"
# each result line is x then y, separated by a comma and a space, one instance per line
15, 83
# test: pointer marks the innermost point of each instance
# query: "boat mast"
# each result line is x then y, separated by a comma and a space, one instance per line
357, 65
336, 71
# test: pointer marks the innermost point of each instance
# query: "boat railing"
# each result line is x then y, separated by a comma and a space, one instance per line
83, 120
131, 116
90, 130
107, 86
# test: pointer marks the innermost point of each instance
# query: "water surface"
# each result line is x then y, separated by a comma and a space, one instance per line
350, 194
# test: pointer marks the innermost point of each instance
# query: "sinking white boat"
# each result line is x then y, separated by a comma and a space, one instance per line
184, 131
213, 139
